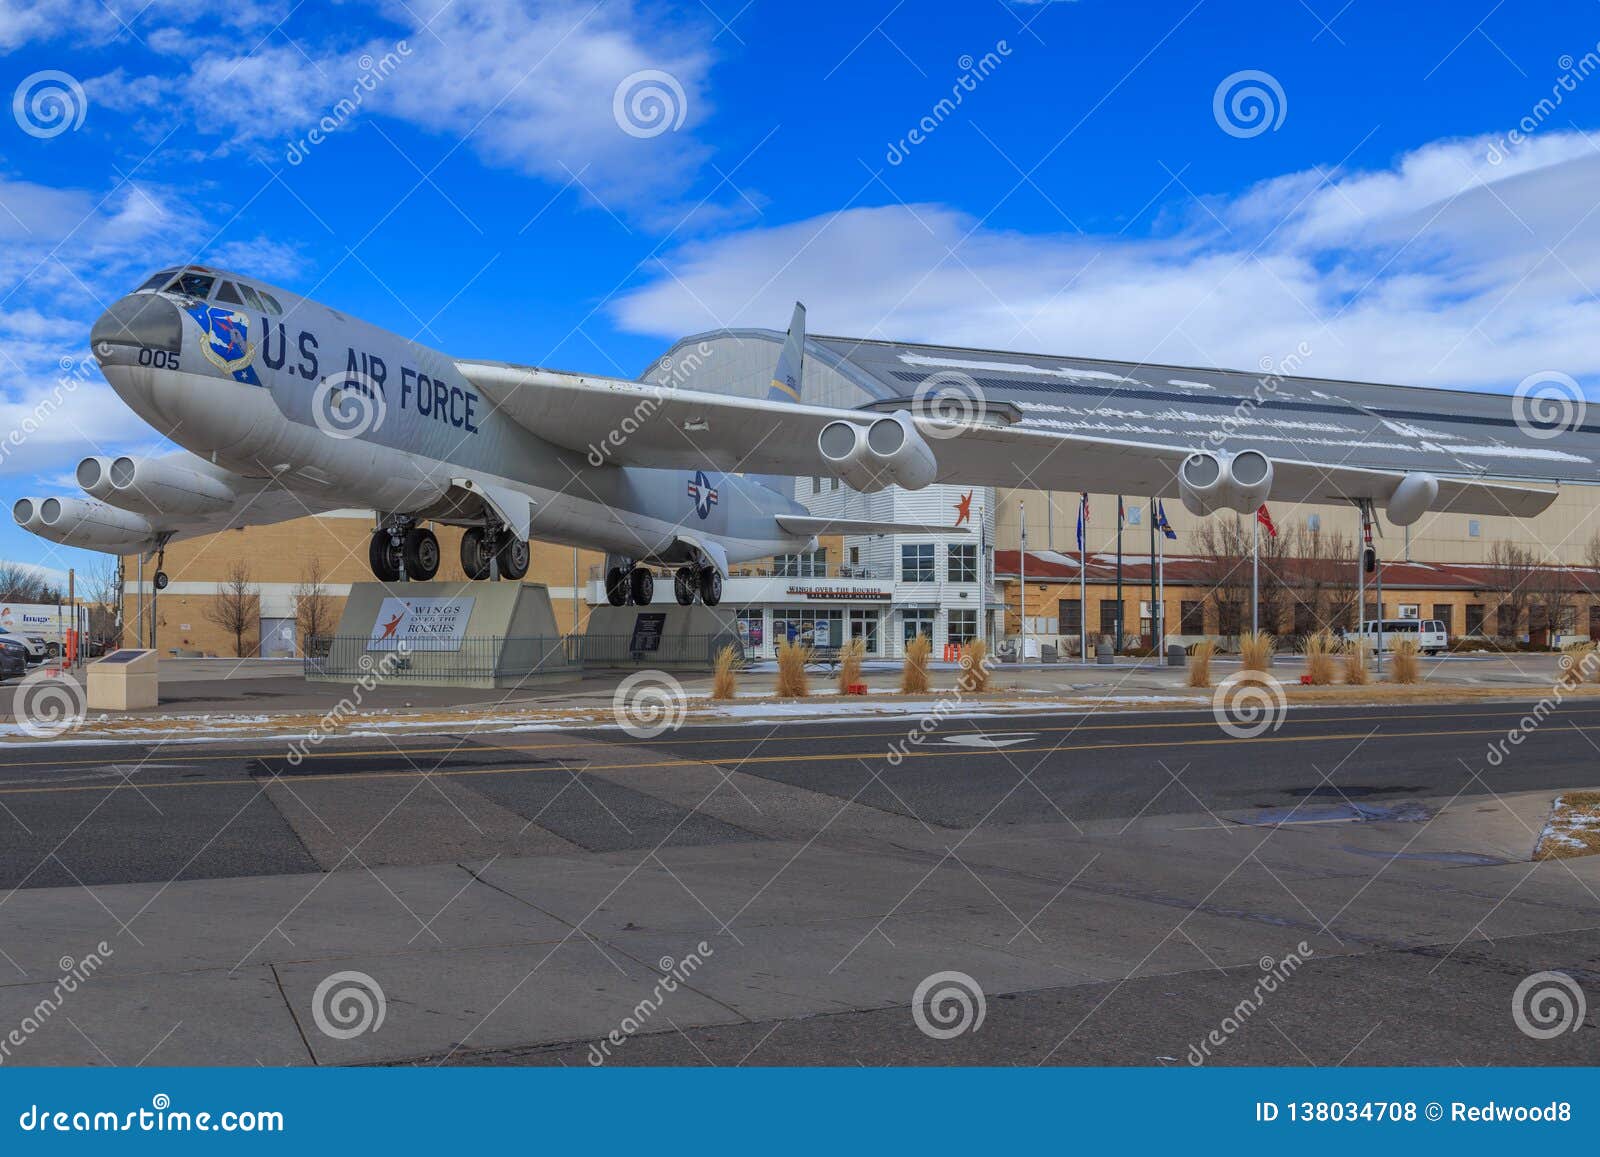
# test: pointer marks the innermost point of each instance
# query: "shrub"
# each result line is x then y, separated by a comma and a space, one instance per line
1320, 649
1406, 666
974, 678
725, 675
914, 674
1200, 663
1355, 664
850, 656
1255, 650
792, 659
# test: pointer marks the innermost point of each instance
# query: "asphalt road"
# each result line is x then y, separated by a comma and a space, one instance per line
1113, 883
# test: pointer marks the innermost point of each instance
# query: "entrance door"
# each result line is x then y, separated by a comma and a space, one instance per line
277, 638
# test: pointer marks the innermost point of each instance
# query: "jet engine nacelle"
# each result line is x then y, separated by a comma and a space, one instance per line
154, 486
83, 522
1412, 498
1209, 482
889, 452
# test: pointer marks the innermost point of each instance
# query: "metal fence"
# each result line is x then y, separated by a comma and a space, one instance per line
481, 658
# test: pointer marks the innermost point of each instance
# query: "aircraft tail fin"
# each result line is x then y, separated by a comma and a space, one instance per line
787, 377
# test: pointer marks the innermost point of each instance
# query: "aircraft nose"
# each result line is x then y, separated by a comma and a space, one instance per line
141, 320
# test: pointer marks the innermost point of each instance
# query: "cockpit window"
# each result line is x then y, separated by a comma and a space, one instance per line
271, 302
193, 285
250, 297
226, 292
158, 280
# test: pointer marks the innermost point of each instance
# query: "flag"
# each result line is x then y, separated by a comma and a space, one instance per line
1083, 516
1264, 517
1161, 521
1122, 516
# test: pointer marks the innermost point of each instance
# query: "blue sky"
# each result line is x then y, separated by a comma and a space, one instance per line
1082, 197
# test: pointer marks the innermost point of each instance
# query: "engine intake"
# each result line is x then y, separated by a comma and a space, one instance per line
889, 452
1208, 482
153, 486
83, 522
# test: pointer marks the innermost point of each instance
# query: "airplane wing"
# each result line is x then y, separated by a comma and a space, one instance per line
642, 424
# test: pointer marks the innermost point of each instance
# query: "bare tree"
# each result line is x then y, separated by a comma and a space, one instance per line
1224, 545
313, 606
24, 584
102, 594
1512, 575
236, 607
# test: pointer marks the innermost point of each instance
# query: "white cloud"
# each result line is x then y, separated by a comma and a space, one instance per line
1442, 270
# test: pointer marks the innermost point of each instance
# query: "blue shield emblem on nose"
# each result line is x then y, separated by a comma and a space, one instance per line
225, 341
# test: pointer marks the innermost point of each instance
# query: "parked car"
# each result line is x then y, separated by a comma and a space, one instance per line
1429, 635
13, 657
33, 644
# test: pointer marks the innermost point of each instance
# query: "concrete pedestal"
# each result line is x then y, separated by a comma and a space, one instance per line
660, 635
463, 634
125, 680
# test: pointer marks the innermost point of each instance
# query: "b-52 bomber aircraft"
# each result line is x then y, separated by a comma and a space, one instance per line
285, 407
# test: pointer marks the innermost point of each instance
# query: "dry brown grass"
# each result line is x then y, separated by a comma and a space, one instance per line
1199, 673
850, 656
1255, 650
975, 672
1573, 829
1405, 665
914, 673
793, 683
1320, 650
1356, 673
725, 674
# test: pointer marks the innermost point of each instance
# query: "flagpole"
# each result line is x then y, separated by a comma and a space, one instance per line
1083, 577
1117, 643
1161, 583
1255, 575
1150, 514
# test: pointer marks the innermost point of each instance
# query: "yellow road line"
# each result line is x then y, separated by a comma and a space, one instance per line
344, 753
879, 753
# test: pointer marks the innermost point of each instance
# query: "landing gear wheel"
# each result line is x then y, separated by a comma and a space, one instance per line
513, 558
161, 580
421, 553
616, 586
684, 585
476, 553
642, 585
384, 557
710, 586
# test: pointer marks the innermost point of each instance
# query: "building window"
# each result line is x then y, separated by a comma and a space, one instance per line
916, 562
1192, 617
1110, 611
864, 625
813, 626
1505, 621
1305, 619
1474, 528
855, 556
1475, 618
1069, 613
962, 562
811, 564
1134, 515
1446, 614
916, 621
963, 626
833, 484
1313, 522
751, 626
1229, 616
